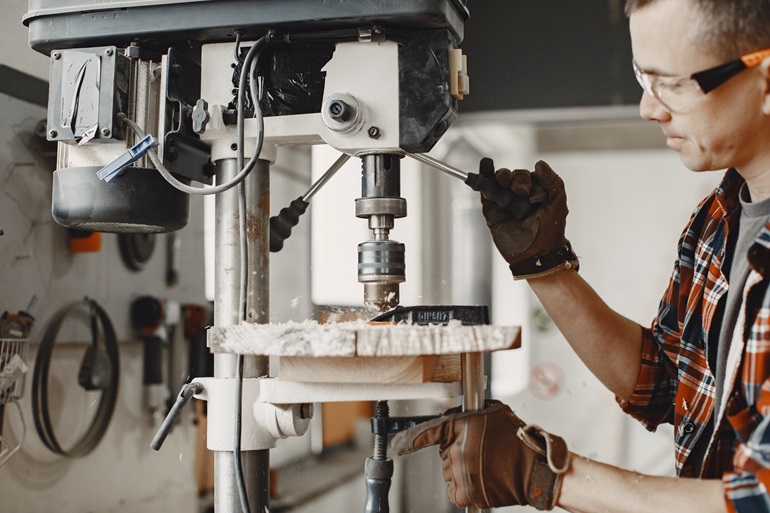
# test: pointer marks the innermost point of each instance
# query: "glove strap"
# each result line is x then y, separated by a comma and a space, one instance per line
544, 485
544, 264
552, 460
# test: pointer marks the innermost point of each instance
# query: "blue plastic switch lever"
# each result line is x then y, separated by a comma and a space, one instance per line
132, 154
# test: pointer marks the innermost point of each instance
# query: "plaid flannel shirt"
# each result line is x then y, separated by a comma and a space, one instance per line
676, 384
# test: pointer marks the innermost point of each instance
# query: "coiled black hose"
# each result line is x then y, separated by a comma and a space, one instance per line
109, 393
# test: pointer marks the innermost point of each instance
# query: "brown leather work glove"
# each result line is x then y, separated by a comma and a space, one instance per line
534, 246
492, 458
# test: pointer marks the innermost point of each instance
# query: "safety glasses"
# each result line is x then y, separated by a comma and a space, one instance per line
678, 92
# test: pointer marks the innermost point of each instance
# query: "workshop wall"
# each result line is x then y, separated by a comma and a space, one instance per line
532, 54
36, 262
122, 475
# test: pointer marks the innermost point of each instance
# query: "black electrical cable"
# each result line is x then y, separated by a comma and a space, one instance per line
244, 169
237, 437
109, 395
248, 68
237, 53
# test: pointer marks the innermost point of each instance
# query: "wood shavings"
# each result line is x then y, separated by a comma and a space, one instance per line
306, 338
358, 338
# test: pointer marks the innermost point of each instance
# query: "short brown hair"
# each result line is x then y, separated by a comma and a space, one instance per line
730, 28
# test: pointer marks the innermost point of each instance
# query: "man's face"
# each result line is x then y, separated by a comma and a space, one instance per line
721, 128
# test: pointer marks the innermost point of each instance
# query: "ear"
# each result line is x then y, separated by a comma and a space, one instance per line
764, 70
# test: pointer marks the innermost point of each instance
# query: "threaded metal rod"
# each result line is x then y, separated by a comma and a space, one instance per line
381, 441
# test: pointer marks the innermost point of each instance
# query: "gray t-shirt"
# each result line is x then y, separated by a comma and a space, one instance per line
753, 217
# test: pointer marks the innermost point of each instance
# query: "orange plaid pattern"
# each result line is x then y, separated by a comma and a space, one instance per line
676, 384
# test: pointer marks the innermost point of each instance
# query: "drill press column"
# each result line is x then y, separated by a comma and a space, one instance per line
381, 264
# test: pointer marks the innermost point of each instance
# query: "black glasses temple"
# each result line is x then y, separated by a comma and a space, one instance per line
710, 79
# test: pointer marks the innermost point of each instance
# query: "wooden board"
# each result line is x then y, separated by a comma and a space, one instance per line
339, 420
350, 339
367, 369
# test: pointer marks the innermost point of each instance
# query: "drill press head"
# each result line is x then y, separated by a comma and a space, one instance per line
372, 79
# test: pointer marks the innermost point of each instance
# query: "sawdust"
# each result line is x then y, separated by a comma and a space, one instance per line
359, 338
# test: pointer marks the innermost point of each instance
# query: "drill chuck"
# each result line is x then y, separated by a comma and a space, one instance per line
381, 267
381, 260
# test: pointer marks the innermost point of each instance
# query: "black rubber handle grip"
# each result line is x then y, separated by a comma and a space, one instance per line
187, 393
518, 206
281, 225
377, 496
378, 474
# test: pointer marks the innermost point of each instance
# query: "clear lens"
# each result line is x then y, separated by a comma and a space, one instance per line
677, 94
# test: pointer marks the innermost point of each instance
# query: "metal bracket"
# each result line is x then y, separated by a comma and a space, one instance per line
262, 423
88, 87
182, 150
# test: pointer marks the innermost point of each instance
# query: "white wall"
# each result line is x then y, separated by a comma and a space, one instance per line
123, 474
35, 261
15, 51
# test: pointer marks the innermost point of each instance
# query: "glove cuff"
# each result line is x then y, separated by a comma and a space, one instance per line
544, 486
552, 460
543, 264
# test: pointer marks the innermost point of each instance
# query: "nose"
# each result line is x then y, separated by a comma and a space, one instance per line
651, 109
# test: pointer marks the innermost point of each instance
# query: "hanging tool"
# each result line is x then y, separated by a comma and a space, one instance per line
91, 377
288, 217
136, 249
518, 206
95, 370
84, 241
148, 317
173, 244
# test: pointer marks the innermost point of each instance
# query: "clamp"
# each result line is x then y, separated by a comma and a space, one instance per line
378, 470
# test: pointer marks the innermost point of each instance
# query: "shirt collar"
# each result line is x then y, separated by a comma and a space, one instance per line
728, 192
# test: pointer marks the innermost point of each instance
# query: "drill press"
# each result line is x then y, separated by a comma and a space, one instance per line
375, 80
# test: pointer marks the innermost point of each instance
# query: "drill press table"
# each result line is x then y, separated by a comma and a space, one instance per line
357, 361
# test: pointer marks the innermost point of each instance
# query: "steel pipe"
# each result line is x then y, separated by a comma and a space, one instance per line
256, 464
473, 392
228, 281
227, 264
441, 166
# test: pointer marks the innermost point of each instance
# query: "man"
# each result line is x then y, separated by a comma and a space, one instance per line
705, 362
